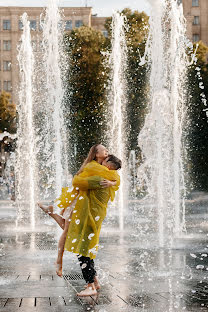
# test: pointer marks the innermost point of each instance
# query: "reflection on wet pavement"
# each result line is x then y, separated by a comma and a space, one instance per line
134, 273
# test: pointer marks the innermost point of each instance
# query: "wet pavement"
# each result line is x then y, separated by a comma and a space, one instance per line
135, 274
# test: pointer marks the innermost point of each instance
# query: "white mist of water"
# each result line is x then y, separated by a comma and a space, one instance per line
161, 139
42, 166
117, 100
26, 175
54, 132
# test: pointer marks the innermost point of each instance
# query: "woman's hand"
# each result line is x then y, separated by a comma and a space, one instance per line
106, 183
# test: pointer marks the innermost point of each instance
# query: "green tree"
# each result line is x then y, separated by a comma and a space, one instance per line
85, 99
7, 113
137, 75
88, 78
198, 123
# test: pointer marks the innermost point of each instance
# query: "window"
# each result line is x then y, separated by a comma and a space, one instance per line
60, 25
7, 85
6, 25
105, 33
7, 45
195, 3
196, 20
6, 65
41, 25
68, 25
78, 23
34, 45
33, 25
41, 45
20, 25
195, 37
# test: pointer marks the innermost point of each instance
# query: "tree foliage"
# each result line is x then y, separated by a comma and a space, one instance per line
7, 113
137, 75
85, 101
198, 127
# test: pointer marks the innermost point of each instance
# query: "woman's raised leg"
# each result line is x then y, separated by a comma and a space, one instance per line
55, 216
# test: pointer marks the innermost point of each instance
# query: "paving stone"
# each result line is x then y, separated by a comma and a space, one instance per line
135, 274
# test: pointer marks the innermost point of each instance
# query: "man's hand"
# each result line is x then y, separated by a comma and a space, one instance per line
62, 211
106, 183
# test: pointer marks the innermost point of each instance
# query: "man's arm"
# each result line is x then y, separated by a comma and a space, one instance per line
88, 183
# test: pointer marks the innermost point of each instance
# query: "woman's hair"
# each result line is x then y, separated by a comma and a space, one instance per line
91, 156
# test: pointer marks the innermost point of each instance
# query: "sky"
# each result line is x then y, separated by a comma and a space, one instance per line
101, 7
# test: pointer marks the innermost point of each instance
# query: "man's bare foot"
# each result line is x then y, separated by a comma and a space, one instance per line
58, 269
96, 282
89, 291
46, 209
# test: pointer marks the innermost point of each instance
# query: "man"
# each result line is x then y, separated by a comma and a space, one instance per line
97, 184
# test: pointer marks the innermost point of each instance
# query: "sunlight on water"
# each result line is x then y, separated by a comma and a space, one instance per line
161, 139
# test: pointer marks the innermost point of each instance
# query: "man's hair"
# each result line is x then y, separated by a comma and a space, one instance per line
115, 161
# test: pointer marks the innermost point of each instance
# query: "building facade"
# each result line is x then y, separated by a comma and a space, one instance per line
11, 30
196, 13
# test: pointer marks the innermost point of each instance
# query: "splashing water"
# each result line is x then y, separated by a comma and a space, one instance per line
26, 167
132, 168
161, 139
54, 133
117, 100
42, 165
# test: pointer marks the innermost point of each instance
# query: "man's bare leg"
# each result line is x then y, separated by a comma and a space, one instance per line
89, 291
61, 243
96, 282
55, 216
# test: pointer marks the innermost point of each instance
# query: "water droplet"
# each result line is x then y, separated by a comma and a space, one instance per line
90, 236
200, 267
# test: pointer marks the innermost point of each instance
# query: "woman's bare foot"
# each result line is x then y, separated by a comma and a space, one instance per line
96, 282
58, 269
46, 209
89, 291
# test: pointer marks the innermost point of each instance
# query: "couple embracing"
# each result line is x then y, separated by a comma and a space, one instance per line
83, 210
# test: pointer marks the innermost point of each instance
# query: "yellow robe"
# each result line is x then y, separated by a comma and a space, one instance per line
90, 209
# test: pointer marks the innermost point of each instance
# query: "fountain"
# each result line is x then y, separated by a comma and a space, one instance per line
117, 100
161, 139
53, 138
42, 165
132, 163
26, 166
